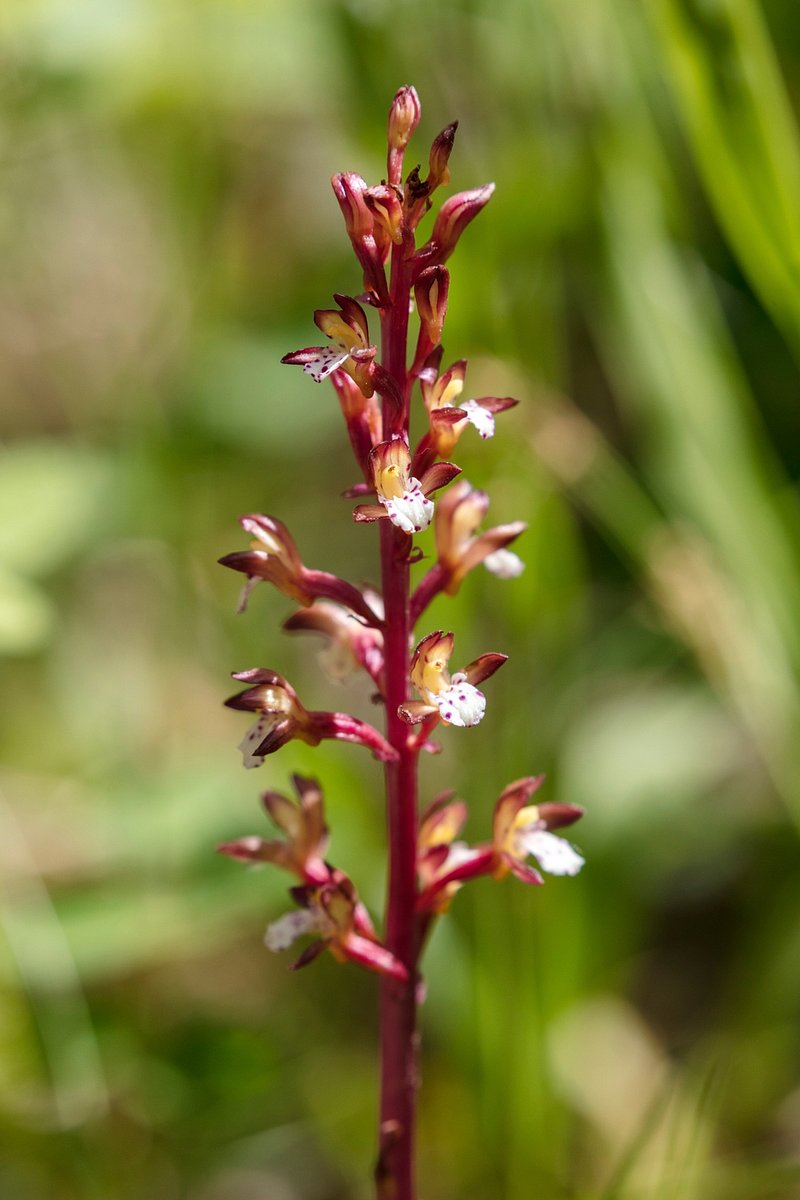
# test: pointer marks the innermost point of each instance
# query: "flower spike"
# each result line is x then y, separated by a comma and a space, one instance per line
427, 860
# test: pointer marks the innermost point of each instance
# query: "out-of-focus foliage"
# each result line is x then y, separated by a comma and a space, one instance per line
166, 229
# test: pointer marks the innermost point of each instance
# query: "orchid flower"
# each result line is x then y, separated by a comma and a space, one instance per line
350, 347
453, 699
350, 643
402, 497
460, 511
302, 851
281, 717
273, 558
522, 830
447, 419
330, 910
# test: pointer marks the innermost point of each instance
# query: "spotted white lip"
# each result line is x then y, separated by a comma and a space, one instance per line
480, 417
553, 854
460, 703
413, 511
254, 737
327, 359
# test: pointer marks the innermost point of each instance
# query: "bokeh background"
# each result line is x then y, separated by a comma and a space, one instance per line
166, 229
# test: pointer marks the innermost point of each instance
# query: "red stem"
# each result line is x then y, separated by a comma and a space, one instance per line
395, 1173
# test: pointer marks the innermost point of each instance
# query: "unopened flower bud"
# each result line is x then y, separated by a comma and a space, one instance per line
439, 172
404, 116
362, 416
453, 218
431, 291
387, 211
349, 189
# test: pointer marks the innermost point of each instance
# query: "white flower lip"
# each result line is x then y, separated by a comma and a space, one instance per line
325, 363
253, 739
461, 703
288, 928
480, 417
553, 854
413, 511
505, 564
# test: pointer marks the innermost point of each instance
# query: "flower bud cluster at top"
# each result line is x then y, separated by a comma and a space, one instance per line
399, 484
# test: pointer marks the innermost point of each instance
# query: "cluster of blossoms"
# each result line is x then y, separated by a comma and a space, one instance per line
404, 488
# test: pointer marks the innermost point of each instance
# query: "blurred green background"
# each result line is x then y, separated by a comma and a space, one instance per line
166, 229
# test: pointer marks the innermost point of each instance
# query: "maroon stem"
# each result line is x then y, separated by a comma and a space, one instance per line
395, 1173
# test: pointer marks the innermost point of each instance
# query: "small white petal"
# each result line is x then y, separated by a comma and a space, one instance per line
411, 512
480, 417
337, 661
553, 854
460, 704
288, 928
327, 360
244, 595
505, 564
458, 854
268, 539
253, 739
375, 601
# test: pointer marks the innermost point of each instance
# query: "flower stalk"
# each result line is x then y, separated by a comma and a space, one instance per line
375, 631
394, 1175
